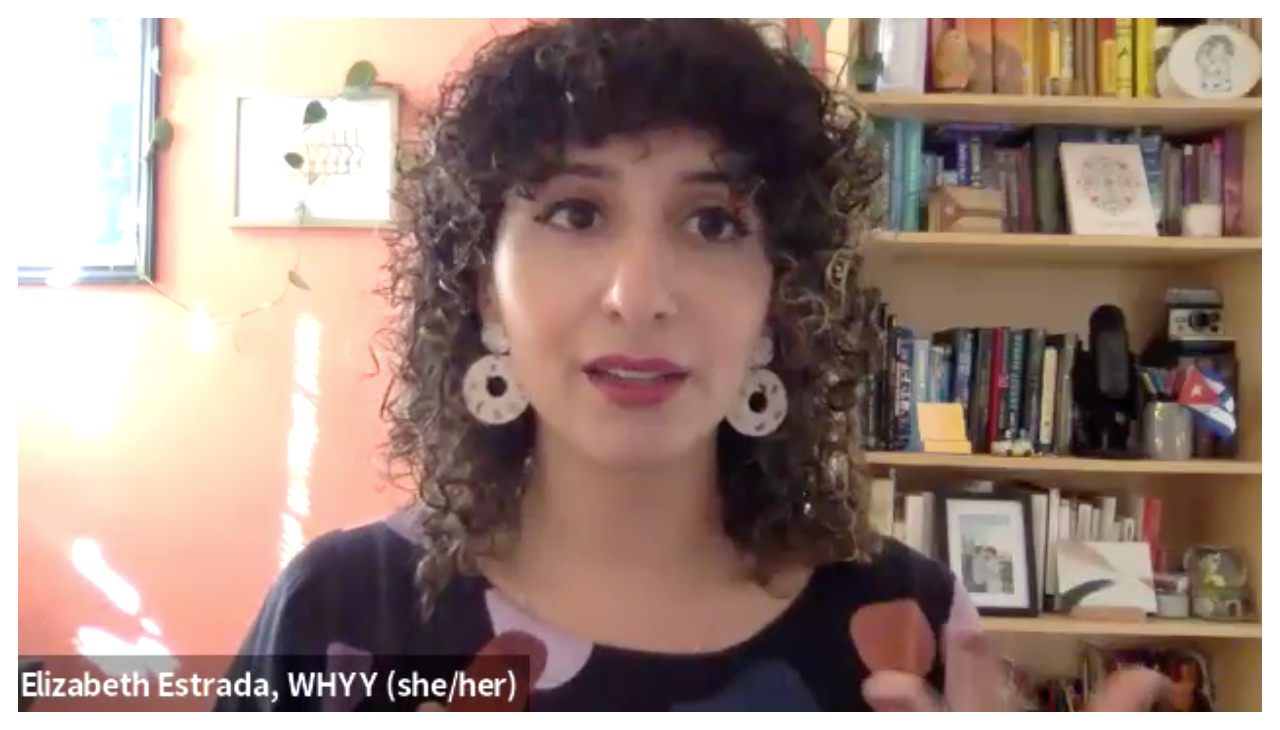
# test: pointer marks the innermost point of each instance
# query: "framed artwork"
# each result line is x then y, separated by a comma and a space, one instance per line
986, 541
336, 173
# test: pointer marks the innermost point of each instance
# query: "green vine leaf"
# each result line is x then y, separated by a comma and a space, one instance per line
161, 134
314, 113
361, 76
294, 160
296, 280
407, 160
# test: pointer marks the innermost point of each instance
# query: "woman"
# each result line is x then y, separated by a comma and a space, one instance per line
628, 340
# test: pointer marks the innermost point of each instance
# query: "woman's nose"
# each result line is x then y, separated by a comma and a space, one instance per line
642, 285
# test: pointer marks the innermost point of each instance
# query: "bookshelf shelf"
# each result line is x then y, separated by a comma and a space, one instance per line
1040, 248
1172, 115
1172, 628
1059, 464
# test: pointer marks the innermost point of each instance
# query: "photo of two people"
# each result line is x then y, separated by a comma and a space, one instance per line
987, 553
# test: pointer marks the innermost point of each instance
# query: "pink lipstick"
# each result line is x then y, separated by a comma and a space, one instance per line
635, 382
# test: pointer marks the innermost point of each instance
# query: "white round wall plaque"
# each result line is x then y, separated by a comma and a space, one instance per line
1210, 62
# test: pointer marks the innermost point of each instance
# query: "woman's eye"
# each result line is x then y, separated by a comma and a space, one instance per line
572, 215
718, 224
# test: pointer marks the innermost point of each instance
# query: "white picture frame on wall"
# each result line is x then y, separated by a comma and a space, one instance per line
350, 158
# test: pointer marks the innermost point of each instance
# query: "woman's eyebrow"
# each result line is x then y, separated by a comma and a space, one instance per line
706, 177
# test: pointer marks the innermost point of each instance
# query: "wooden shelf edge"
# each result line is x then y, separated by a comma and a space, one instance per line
1180, 628
1244, 105
983, 462
1039, 246
1178, 114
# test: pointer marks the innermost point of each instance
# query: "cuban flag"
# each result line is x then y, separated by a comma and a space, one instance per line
1213, 405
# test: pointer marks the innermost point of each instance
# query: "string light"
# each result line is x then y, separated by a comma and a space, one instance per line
202, 326
201, 329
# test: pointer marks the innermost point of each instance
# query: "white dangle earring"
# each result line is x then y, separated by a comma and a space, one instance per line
762, 400
489, 388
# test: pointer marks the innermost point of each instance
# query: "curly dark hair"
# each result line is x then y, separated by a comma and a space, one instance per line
812, 167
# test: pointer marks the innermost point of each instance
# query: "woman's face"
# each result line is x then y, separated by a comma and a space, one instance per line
633, 287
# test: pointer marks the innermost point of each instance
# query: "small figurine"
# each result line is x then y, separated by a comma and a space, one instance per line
952, 61
1218, 590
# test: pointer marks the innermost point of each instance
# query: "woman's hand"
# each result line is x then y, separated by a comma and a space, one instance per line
976, 681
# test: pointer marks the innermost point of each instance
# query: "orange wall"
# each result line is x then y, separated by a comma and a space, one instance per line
175, 462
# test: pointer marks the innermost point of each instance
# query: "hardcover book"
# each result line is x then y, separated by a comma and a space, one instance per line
1107, 192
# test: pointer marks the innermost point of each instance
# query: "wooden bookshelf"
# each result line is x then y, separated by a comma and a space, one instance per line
939, 280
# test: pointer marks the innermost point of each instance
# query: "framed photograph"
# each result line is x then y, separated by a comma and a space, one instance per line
986, 541
342, 169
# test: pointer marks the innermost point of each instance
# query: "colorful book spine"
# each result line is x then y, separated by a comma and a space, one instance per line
1030, 59
938, 364
1026, 191
962, 383
980, 399
1124, 58
1048, 400
1015, 364
1144, 57
963, 169
1089, 29
1214, 151
1051, 52
1067, 74
902, 343
976, 167
1033, 376
1151, 145
913, 174
1233, 182
919, 390
1081, 54
1107, 56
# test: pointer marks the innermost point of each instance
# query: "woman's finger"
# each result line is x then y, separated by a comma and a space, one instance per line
1129, 690
899, 692
976, 677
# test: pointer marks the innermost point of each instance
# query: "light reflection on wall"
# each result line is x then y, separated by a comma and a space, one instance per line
113, 655
87, 356
303, 435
